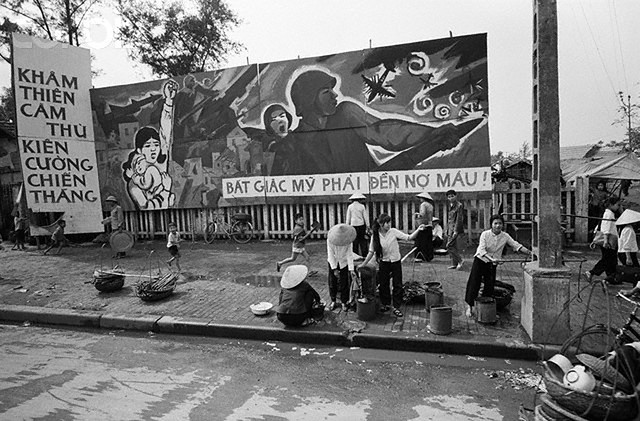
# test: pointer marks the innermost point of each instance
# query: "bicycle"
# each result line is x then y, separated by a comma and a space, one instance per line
601, 338
240, 229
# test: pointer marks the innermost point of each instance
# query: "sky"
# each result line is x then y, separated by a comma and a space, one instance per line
597, 47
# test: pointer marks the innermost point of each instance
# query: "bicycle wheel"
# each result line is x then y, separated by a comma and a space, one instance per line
210, 232
241, 232
595, 340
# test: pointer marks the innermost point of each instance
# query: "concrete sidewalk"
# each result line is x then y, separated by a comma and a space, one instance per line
221, 280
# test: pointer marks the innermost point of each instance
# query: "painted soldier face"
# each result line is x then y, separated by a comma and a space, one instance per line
327, 101
279, 123
151, 150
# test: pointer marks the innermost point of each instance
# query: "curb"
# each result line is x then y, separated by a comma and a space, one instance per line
202, 327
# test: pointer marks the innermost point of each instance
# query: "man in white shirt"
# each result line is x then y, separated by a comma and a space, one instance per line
340, 259
358, 218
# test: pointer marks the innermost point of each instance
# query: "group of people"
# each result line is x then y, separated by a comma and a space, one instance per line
616, 238
346, 243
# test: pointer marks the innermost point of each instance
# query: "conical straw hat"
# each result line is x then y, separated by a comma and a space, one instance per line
425, 195
605, 371
293, 275
341, 235
628, 217
357, 196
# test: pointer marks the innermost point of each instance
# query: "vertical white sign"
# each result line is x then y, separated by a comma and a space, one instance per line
55, 130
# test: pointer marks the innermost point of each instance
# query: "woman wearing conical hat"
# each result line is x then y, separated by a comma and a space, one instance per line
340, 258
627, 243
297, 298
358, 218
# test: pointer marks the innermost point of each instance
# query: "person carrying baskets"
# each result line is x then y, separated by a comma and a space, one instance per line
115, 221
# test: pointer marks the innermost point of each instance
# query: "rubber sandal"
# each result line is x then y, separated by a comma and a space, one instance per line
332, 306
397, 313
308, 322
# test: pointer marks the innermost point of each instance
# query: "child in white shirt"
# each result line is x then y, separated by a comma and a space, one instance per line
173, 242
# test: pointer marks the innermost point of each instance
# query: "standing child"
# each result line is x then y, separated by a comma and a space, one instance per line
173, 244
19, 227
58, 238
299, 238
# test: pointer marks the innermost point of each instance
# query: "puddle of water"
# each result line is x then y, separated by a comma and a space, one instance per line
264, 281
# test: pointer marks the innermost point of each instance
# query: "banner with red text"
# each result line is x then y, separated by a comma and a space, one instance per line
55, 130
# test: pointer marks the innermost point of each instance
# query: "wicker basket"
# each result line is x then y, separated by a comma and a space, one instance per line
108, 281
153, 295
553, 411
148, 290
592, 405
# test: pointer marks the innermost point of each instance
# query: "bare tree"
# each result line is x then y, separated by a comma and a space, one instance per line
629, 116
57, 20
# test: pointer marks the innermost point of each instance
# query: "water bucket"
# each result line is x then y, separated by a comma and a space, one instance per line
433, 297
440, 320
366, 310
486, 310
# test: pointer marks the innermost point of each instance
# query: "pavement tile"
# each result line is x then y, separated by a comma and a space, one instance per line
221, 280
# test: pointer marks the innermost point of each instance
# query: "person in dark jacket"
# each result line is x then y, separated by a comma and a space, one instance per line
297, 298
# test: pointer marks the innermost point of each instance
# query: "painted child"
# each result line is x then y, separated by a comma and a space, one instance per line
57, 238
299, 238
173, 245
147, 181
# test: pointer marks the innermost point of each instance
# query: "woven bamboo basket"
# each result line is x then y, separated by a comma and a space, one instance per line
553, 411
157, 288
108, 281
592, 405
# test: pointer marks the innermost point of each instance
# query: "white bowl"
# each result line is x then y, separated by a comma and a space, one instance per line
579, 378
261, 309
562, 362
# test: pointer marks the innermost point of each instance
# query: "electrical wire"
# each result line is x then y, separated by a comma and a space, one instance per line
591, 68
624, 70
606, 72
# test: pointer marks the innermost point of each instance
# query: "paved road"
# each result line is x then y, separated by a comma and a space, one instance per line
50, 374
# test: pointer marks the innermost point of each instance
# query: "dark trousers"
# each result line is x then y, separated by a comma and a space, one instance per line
634, 259
390, 271
295, 320
453, 249
424, 244
360, 245
481, 273
607, 262
340, 284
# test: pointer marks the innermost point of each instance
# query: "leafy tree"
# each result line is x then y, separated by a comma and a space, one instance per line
7, 105
174, 38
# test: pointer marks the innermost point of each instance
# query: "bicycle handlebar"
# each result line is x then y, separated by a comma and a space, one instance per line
627, 299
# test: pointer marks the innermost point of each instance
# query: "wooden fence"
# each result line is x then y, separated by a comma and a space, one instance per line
513, 199
276, 221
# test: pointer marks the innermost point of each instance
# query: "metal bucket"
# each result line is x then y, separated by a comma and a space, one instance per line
366, 311
486, 310
440, 321
433, 296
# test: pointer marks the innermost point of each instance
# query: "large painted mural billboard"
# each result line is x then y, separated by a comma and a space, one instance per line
397, 119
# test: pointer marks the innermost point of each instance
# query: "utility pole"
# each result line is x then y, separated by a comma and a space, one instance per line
546, 281
627, 110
